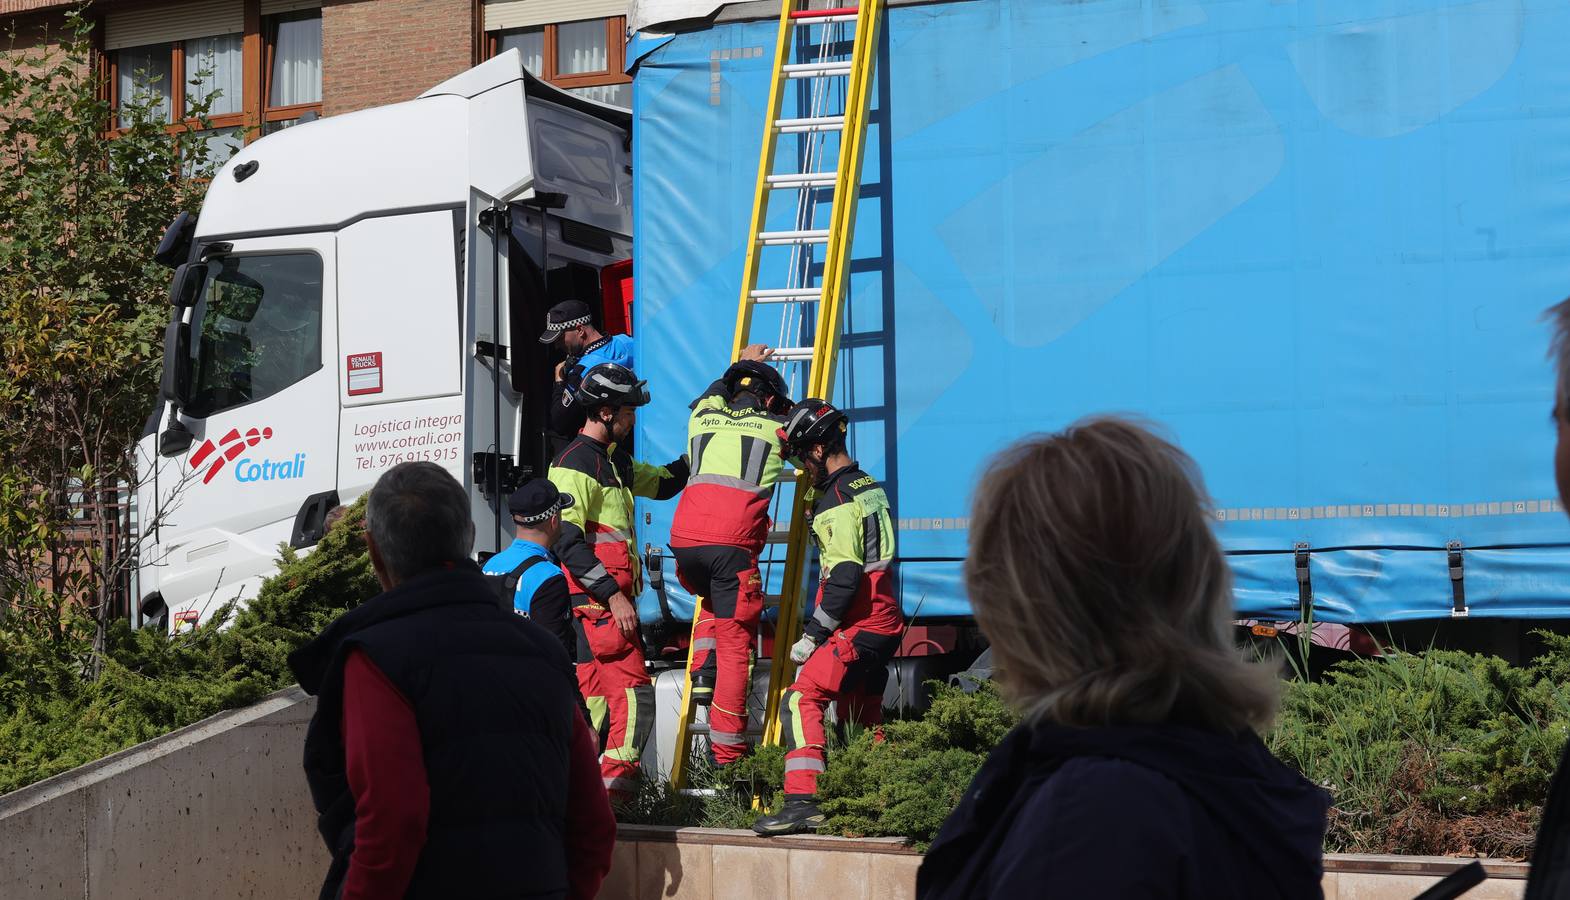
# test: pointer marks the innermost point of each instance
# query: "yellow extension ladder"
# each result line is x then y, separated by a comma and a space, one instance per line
828, 50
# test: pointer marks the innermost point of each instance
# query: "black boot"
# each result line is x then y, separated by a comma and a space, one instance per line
702, 689
797, 817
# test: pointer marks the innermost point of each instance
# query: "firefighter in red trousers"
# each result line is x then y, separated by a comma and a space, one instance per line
720, 527
856, 627
596, 549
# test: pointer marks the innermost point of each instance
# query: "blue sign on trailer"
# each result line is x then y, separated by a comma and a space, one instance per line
1311, 240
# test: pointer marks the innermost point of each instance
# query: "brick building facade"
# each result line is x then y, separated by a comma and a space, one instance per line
261, 65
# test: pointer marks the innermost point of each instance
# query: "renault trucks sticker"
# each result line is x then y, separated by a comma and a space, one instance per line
186, 620
365, 373
228, 448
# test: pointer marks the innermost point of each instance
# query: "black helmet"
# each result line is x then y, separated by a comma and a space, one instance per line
811, 422
760, 378
608, 384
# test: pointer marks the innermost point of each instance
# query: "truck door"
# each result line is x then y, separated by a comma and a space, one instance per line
400, 350
491, 403
260, 398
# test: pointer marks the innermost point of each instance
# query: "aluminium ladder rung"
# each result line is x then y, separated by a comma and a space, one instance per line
816, 70
786, 238
788, 295
802, 180
824, 20
792, 354
771, 601
779, 536
811, 123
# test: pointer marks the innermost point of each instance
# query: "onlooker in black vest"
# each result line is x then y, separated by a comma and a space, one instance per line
447, 756
1138, 771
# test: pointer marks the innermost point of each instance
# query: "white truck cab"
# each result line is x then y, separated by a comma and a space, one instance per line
365, 290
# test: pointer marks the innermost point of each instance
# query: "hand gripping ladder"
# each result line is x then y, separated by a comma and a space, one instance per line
827, 52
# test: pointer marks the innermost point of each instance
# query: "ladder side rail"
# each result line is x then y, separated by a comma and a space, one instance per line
820, 380
788, 622
689, 709
760, 195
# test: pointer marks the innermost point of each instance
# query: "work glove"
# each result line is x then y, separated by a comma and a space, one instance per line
803, 649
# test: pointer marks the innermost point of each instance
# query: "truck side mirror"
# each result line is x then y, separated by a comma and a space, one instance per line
187, 284
175, 386
176, 243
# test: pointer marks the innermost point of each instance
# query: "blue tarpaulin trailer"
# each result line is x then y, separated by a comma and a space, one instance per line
1312, 240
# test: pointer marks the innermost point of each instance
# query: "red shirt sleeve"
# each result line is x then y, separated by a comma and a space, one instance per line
591, 826
386, 770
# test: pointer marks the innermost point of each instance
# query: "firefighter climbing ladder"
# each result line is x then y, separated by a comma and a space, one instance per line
834, 87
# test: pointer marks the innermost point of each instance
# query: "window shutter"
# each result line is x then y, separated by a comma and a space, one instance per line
504, 14
274, 7
172, 22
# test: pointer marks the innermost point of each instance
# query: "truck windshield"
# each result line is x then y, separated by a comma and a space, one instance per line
257, 329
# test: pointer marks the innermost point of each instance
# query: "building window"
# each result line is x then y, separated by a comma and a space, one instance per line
143, 77
293, 68
246, 83
585, 57
214, 75
531, 42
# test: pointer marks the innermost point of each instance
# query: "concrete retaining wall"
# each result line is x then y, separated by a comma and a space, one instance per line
220, 809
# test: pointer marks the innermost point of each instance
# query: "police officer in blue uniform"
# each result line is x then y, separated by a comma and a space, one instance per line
527, 574
571, 323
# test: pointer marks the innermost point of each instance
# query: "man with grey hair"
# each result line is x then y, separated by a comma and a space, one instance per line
447, 756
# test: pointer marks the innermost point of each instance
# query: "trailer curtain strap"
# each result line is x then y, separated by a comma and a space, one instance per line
1305, 586
1457, 580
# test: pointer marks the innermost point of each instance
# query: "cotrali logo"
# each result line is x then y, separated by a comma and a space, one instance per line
228, 447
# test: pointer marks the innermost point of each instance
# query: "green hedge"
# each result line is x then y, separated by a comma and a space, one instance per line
1440, 752
54, 718
901, 786
1431, 753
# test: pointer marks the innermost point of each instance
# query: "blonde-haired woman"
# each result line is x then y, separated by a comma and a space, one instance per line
1138, 771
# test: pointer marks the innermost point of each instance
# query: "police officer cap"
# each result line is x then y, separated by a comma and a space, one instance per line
537, 500
565, 316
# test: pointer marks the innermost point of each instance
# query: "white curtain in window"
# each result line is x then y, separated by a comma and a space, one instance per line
297, 61
214, 72
614, 94
530, 43
580, 47
144, 76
